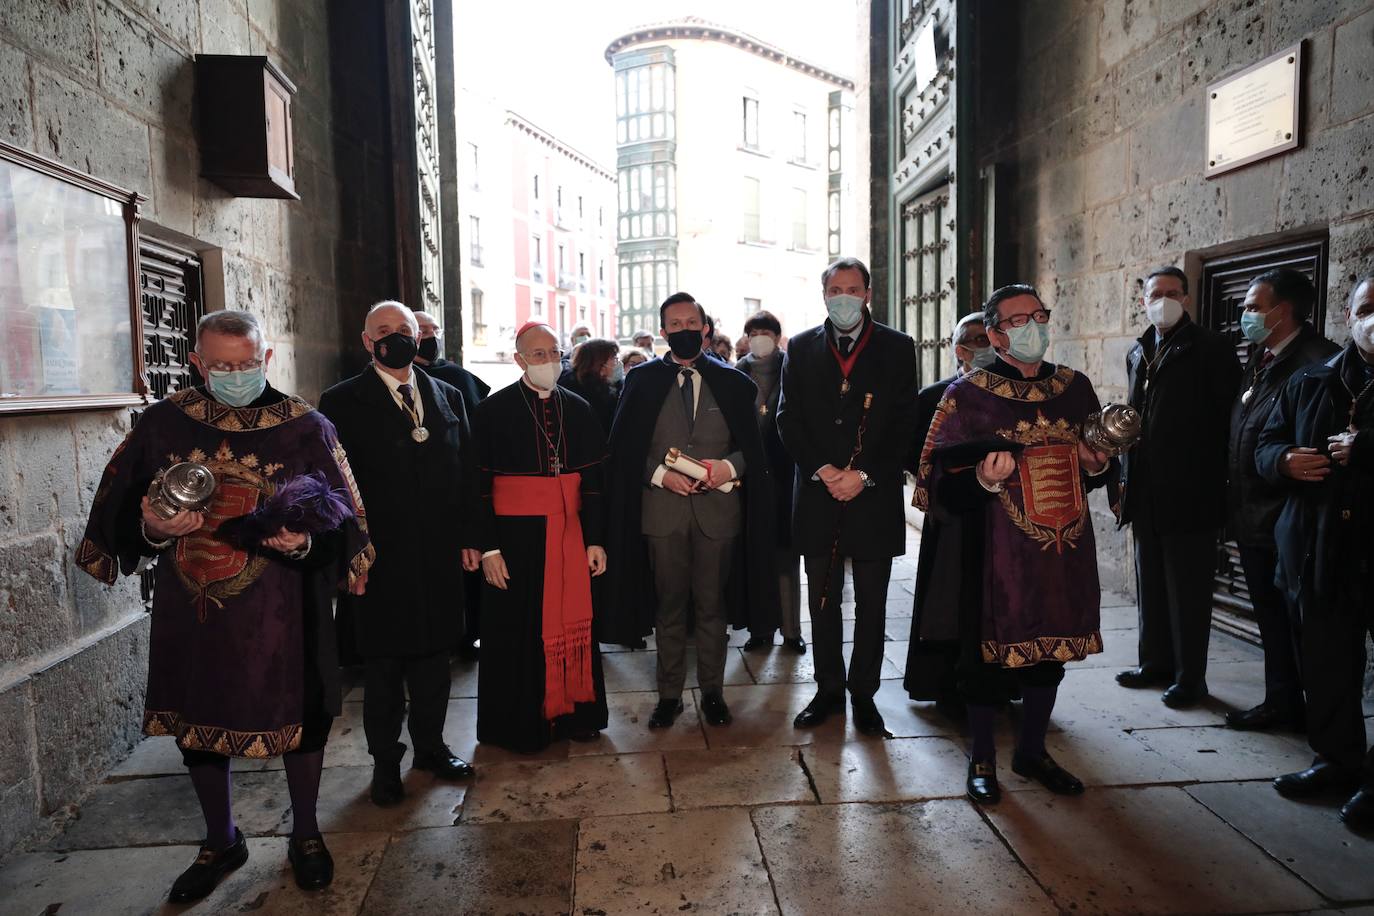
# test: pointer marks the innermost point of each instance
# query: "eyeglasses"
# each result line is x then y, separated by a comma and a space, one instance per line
538, 357
247, 365
1040, 316
981, 340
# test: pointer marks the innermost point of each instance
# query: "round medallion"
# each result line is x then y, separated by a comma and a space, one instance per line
419, 434
1245, 395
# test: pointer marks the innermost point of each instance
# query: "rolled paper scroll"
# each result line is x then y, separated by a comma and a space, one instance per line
697, 470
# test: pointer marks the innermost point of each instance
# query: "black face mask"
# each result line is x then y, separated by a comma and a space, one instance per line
685, 344
395, 351
429, 349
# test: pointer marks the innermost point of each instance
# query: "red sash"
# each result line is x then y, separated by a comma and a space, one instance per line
567, 618
847, 362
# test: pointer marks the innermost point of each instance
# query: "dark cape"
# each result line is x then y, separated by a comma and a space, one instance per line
766, 408
598, 394
234, 631
470, 386
934, 645
752, 592
413, 605
1033, 593
507, 443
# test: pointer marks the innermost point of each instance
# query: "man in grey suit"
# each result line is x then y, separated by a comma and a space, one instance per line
691, 528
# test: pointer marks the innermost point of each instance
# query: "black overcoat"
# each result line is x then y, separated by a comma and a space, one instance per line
1254, 504
1325, 529
413, 493
819, 425
472, 388
1176, 474
779, 461
752, 593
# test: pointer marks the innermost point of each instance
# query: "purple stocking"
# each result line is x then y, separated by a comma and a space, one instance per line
211, 781
1036, 707
981, 721
303, 781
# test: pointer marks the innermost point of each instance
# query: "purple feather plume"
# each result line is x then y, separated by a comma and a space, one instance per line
305, 504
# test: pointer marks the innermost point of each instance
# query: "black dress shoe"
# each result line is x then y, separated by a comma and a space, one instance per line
982, 783
443, 763
1139, 677
386, 783
1180, 697
714, 709
867, 719
818, 710
796, 644
311, 862
1318, 779
1263, 717
665, 713
584, 735
207, 870
754, 643
1358, 813
1045, 771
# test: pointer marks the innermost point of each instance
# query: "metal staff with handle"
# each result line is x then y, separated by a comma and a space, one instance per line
839, 520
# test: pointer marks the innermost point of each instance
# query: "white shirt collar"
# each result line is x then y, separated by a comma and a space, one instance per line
1279, 347
392, 383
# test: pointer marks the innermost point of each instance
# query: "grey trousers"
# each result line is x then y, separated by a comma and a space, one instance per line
688, 566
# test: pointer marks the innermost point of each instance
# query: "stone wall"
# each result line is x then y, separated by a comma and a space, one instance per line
107, 87
1097, 113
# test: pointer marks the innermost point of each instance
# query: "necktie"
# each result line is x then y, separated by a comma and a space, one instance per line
1266, 359
846, 344
688, 400
408, 399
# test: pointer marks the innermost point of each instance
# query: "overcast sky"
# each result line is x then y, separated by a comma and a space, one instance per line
545, 58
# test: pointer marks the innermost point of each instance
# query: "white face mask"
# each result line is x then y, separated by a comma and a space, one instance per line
1164, 312
845, 311
1362, 332
762, 346
545, 375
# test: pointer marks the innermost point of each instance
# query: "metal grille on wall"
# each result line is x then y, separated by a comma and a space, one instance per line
1225, 281
427, 153
927, 290
172, 304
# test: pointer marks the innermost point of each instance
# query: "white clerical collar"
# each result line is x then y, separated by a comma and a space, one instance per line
543, 395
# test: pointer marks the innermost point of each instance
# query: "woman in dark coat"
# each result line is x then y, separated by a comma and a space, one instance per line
596, 374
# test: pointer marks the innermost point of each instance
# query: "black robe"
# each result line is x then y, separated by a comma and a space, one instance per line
934, 645
506, 441
752, 592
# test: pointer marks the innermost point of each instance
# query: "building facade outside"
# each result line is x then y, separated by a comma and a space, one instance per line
733, 174
536, 228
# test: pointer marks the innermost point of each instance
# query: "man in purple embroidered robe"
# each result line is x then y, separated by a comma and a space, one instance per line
1005, 453
242, 657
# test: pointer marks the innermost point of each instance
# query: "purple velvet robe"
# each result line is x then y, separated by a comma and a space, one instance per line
1040, 593
232, 629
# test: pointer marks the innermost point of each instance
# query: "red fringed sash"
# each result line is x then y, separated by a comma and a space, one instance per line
567, 620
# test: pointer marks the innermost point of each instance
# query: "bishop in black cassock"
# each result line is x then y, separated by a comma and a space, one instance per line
535, 507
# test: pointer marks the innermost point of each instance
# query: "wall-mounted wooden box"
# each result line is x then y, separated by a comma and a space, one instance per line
244, 114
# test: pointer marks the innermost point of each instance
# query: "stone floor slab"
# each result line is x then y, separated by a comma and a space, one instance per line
928, 857
780, 667
1091, 696
1216, 753
345, 804
114, 882
162, 810
627, 730
1101, 755
1305, 836
628, 672
687, 861
1120, 618
1148, 850
482, 868
573, 788
903, 769
763, 716
736, 776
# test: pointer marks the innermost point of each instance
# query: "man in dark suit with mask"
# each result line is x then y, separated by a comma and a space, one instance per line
406, 436
847, 416
699, 538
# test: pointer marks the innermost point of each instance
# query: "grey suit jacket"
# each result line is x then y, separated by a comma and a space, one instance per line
663, 512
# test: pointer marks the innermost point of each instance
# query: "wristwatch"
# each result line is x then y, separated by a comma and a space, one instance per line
868, 481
